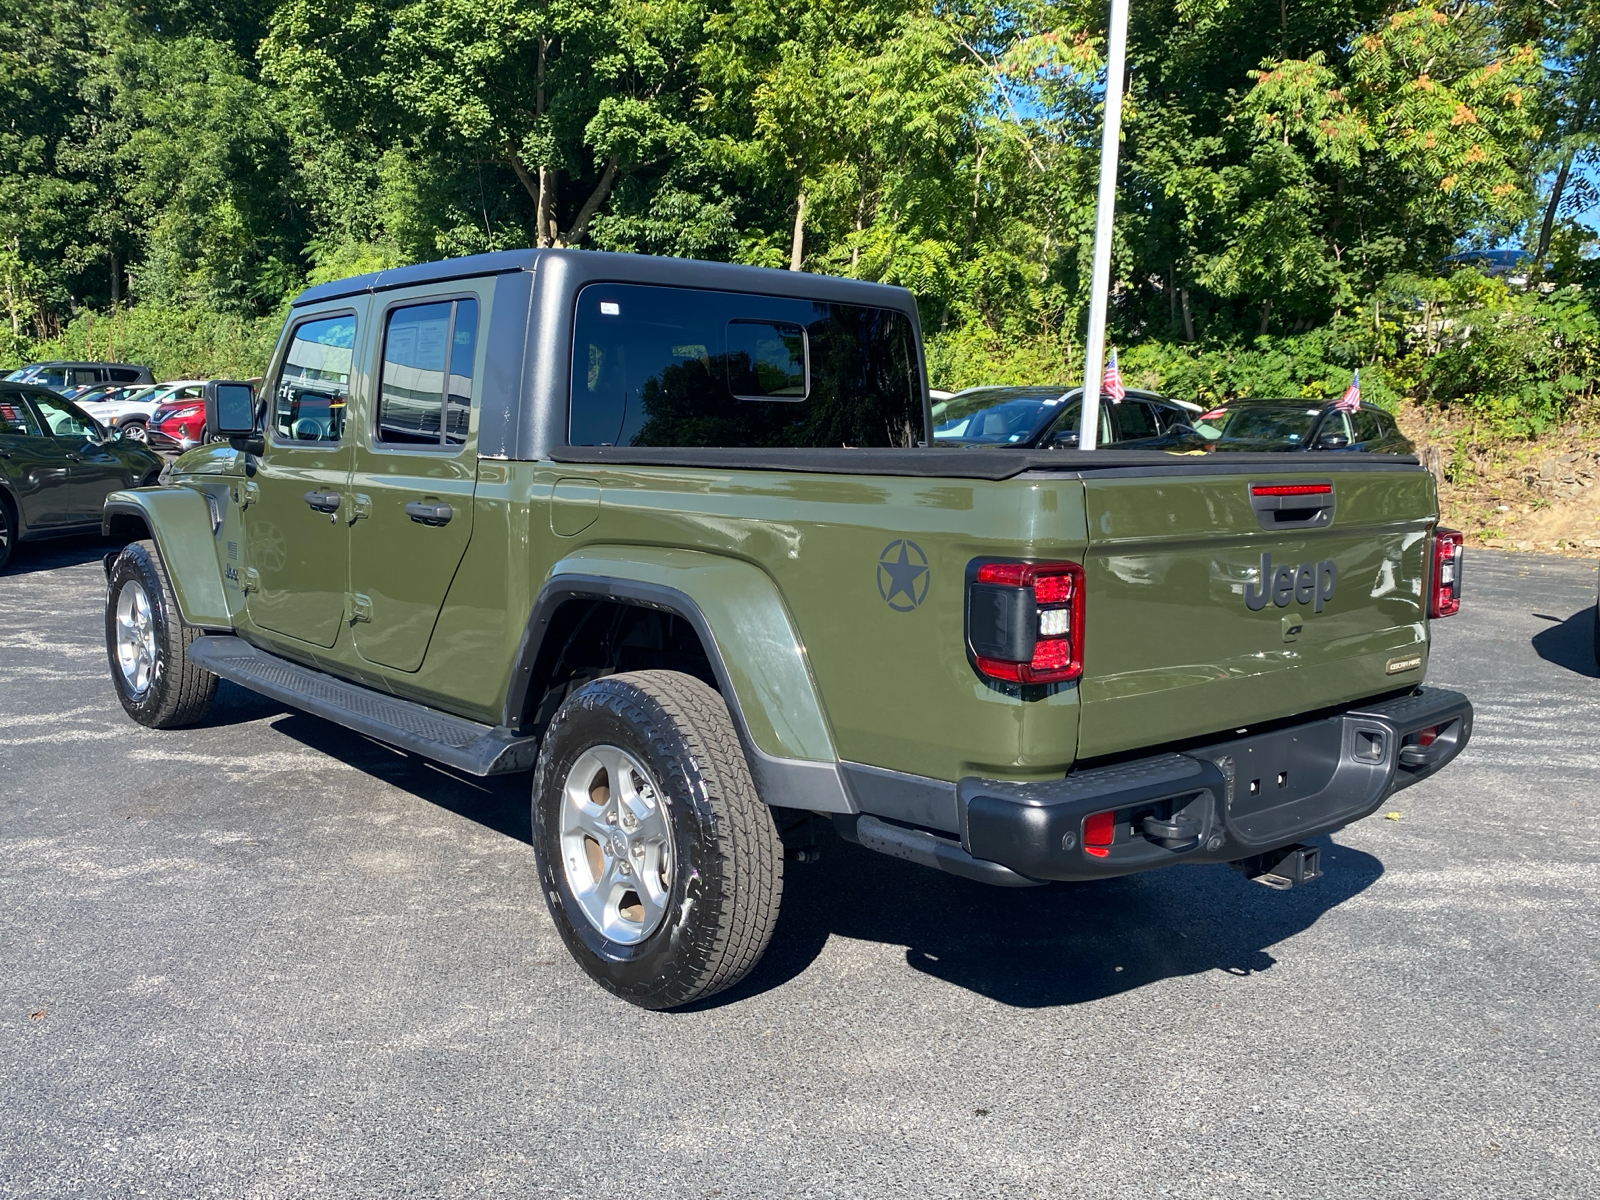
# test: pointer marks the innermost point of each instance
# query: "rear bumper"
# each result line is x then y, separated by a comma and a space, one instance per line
1216, 803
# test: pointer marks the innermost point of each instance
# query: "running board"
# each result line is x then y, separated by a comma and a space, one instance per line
454, 741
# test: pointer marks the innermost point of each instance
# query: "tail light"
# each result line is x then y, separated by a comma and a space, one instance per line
1444, 577
1025, 621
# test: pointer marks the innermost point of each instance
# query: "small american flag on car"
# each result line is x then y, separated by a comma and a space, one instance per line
1111, 381
1351, 400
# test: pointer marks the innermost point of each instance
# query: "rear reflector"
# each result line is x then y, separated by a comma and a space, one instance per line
1291, 489
1444, 576
1025, 621
1099, 831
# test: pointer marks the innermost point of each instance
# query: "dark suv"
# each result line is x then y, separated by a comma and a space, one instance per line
1278, 425
57, 465
1047, 417
70, 376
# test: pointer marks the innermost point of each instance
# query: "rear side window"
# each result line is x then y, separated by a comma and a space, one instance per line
15, 419
656, 366
1368, 426
1133, 419
124, 374
425, 394
309, 402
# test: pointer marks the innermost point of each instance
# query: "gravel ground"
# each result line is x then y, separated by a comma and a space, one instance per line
270, 958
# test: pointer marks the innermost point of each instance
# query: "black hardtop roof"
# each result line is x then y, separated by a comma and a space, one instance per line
74, 362
1290, 402
596, 266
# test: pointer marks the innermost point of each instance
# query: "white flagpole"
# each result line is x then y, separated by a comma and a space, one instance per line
1095, 349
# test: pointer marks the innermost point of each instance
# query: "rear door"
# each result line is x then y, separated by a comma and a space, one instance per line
34, 464
415, 471
1209, 611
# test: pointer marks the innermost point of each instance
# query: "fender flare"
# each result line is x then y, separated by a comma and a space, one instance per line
180, 522
755, 653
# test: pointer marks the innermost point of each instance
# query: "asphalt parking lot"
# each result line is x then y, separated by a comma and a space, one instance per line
269, 958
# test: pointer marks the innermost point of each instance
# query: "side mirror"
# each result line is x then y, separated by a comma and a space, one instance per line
231, 412
1064, 439
1332, 441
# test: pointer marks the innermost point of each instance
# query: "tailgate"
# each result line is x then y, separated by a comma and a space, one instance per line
1185, 638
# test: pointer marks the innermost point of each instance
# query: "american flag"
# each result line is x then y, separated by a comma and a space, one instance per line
1111, 381
1351, 400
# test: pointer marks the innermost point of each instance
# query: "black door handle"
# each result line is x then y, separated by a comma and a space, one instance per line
74, 457
327, 502
424, 513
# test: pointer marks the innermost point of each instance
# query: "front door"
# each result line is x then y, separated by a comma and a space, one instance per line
414, 474
94, 472
34, 464
295, 507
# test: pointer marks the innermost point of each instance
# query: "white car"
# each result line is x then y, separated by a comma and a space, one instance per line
124, 407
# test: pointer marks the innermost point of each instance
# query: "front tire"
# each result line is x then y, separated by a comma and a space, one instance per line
147, 644
136, 431
661, 866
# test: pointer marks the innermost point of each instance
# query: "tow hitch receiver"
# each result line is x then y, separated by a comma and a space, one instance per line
1281, 869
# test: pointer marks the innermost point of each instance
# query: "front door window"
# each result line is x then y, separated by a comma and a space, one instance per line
314, 385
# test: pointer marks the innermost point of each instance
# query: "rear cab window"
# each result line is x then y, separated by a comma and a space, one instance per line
664, 366
313, 387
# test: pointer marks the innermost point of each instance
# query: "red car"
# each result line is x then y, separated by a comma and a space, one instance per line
179, 419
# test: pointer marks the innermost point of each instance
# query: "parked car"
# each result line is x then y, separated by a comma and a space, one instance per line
707, 585
1048, 417
57, 465
178, 415
123, 408
1290, 425
65, 376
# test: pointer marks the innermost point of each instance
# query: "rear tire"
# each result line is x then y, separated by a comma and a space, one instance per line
8, 533
147, 644
706, 916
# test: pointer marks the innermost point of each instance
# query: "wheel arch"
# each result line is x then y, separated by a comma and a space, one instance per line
179, 521
751, 650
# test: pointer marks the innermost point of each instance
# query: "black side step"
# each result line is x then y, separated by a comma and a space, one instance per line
465, 745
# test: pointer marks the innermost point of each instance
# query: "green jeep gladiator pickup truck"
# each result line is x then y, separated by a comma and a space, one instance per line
666, 532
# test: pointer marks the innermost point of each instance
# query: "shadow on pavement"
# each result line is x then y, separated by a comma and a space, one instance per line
1029, 948
1050, 946
51, 553
497, 802
1569, 643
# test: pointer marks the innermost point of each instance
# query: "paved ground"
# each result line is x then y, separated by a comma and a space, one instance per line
267, 958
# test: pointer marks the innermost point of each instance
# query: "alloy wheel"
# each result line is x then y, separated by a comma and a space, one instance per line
616, 844
136, 638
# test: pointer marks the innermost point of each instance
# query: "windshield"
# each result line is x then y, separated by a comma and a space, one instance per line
1267, 423
995, 416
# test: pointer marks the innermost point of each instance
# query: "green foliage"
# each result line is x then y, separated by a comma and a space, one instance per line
1290, 181
175, 342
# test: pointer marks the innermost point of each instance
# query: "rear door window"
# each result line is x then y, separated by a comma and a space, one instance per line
15, 418
425, 392
658, 366
1368, 426
1133, 419
308, 404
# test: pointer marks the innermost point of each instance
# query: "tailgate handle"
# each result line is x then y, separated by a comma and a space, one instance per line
1304, 504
